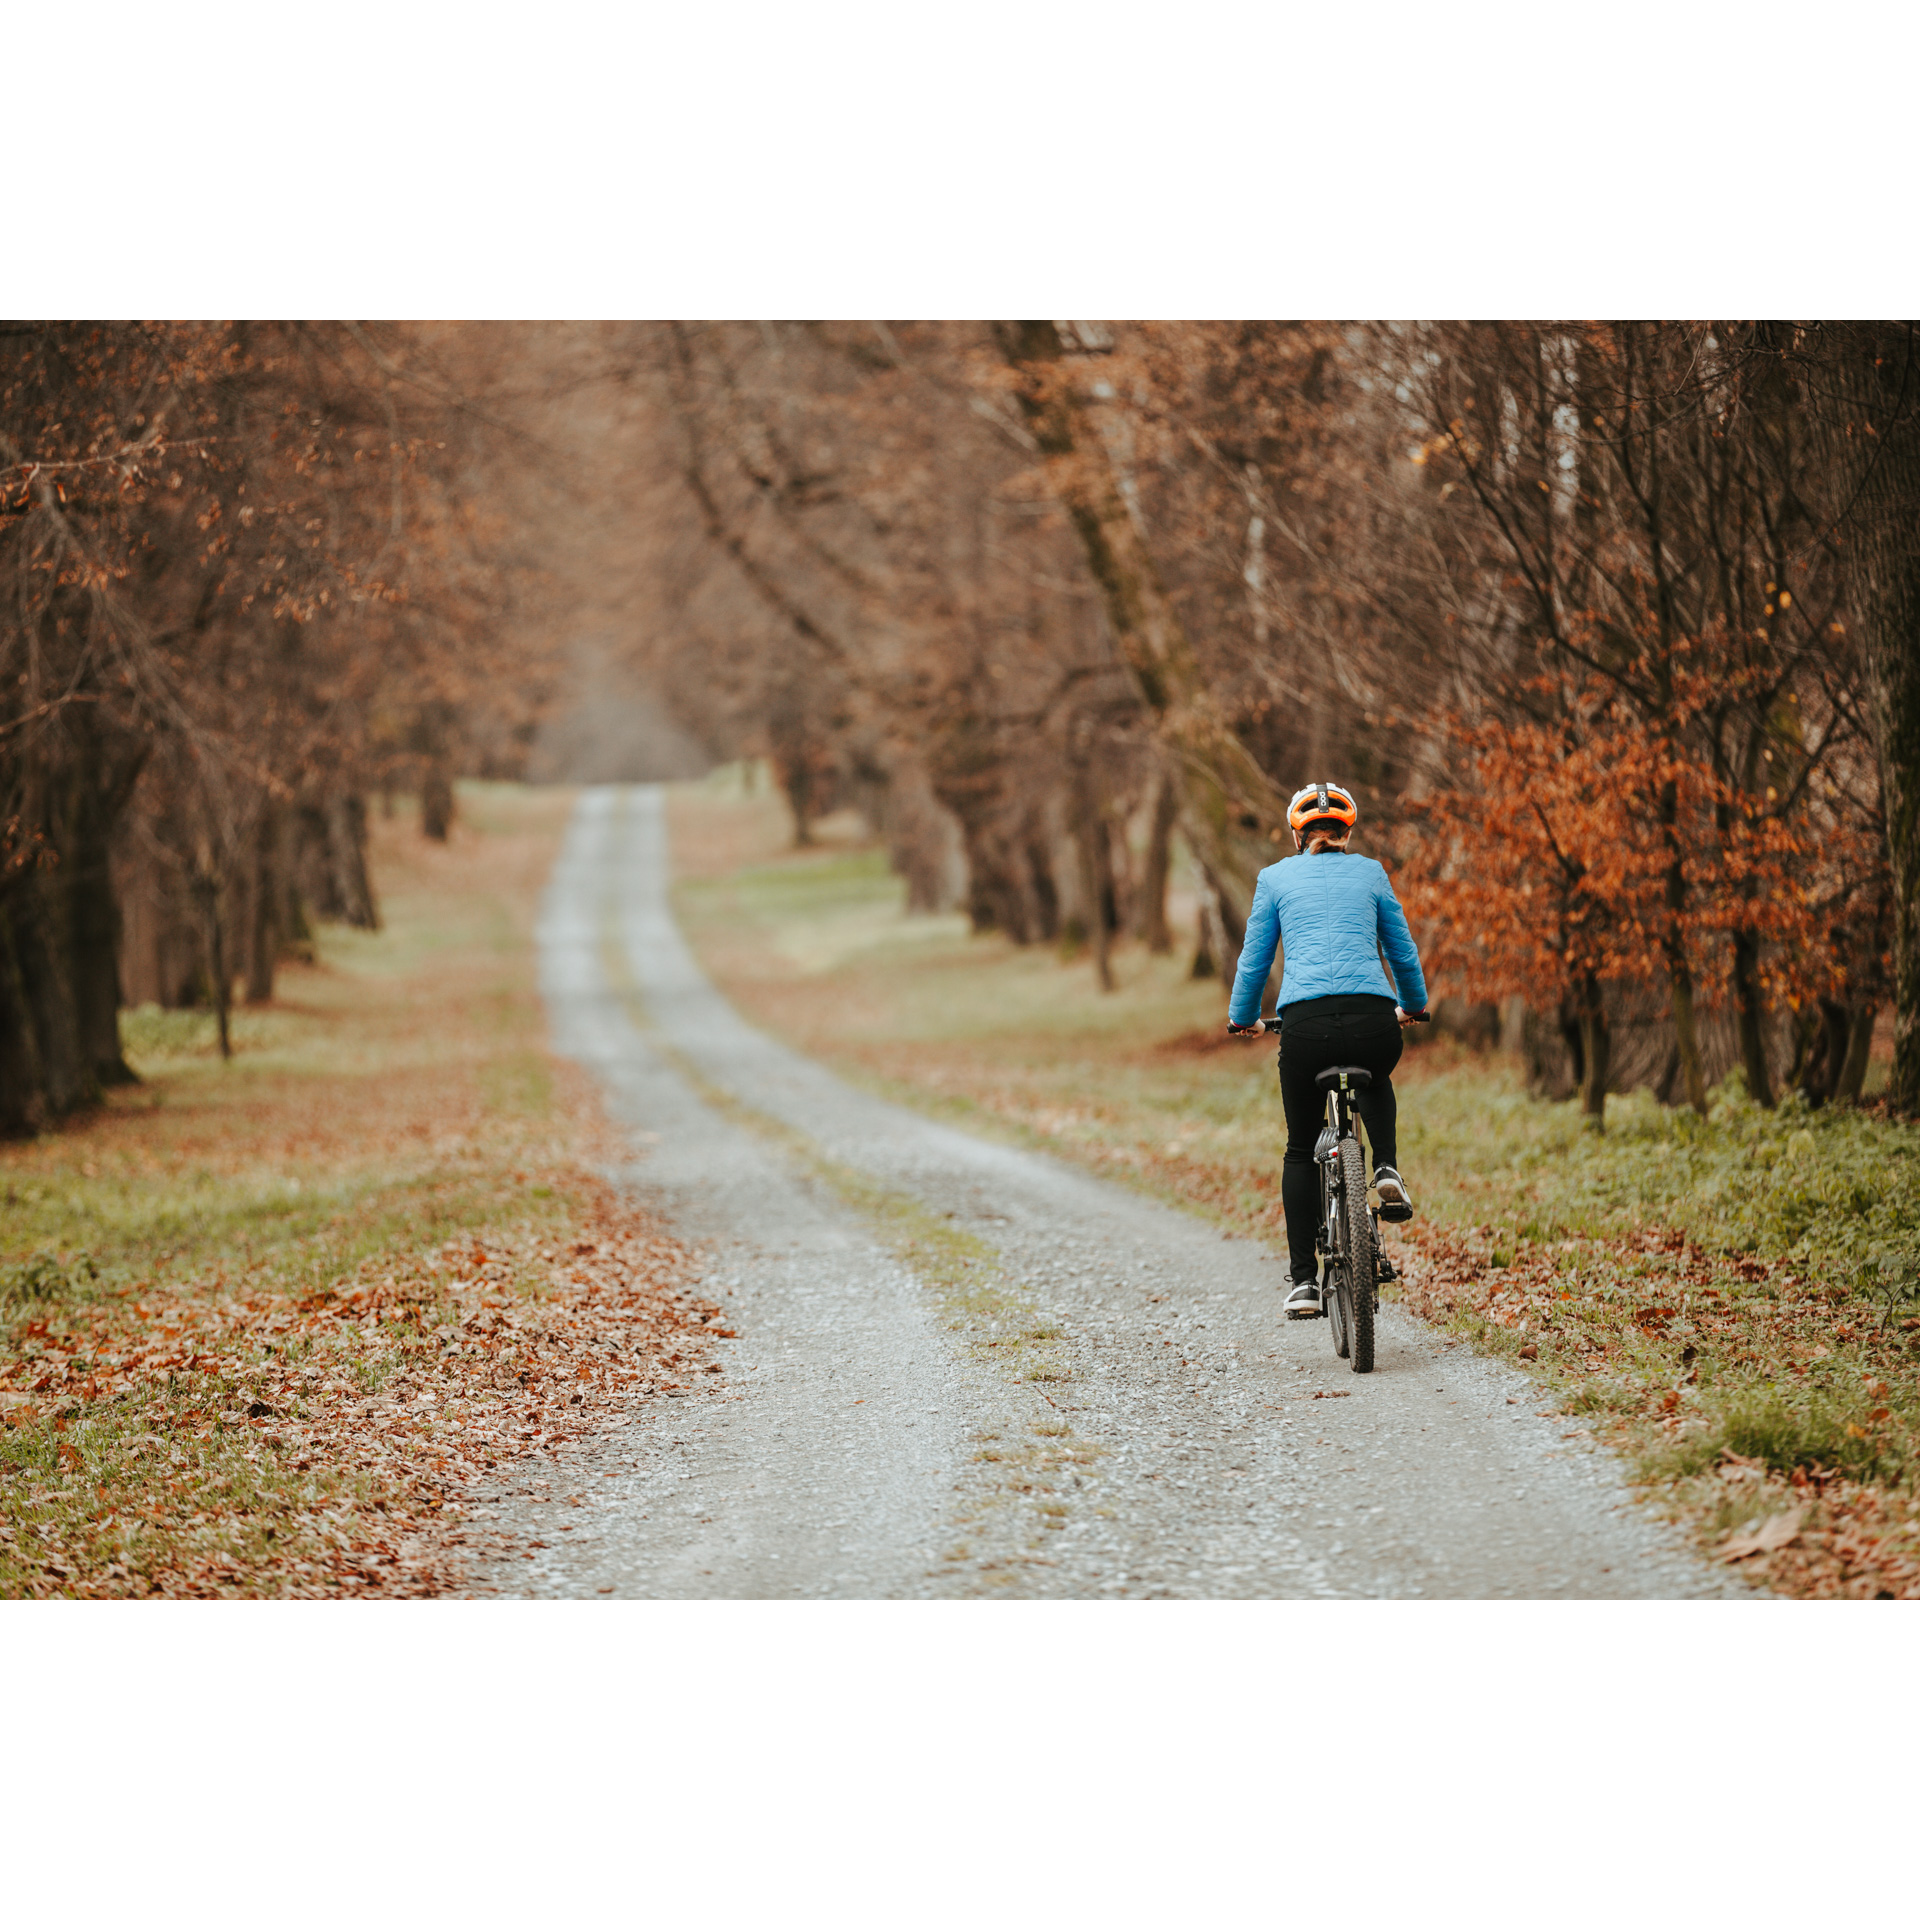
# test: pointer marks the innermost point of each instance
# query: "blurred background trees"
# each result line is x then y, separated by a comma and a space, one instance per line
253, 576
1609, 626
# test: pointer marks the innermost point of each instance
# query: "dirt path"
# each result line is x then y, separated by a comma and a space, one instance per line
858, 1444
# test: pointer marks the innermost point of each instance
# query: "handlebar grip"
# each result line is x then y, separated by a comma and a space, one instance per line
1426, 1013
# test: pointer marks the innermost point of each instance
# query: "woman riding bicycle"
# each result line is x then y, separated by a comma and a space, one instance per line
1332, 912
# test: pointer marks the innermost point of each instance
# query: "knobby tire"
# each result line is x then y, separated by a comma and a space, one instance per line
1361, 1253
1332, 1285
1334, 1291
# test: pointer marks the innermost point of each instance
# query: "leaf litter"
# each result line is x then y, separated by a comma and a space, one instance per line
325, 1446
1752, 1399
266, 1324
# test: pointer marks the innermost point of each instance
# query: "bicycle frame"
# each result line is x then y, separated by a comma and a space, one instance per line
1337, 1126
1353, 1265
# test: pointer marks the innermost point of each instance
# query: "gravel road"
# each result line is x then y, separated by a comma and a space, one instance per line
871, 1439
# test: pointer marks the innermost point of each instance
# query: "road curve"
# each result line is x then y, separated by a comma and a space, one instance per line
869, 1441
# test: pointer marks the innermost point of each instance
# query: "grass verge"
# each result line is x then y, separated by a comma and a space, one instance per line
262, 1321
1732, 1303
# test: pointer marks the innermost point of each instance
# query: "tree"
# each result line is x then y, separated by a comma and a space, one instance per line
1862, 384
1643, 497
231, 553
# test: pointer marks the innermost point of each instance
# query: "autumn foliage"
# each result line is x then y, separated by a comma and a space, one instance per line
1047, 602
1043, 598
245, 590
1579, 852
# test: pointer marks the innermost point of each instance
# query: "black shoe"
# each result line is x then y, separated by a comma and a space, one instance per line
1303, 1303
1394, 1204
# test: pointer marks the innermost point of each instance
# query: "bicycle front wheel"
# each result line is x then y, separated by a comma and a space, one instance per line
1333, 1290
1360, 1253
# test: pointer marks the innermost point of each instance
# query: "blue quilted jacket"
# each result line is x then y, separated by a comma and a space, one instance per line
1332, 914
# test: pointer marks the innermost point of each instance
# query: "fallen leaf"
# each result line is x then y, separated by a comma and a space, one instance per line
1774, 1532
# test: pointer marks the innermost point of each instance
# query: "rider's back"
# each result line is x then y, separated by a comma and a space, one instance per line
1332, 913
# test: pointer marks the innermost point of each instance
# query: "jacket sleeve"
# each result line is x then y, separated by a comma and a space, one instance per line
1403, 957
1256, 957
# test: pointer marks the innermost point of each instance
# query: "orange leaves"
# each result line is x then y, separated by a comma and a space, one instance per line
1591, 844
1534, 870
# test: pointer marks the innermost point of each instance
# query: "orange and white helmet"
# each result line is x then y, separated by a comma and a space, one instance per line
1322, 805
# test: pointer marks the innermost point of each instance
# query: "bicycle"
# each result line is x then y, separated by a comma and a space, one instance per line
1353, 1268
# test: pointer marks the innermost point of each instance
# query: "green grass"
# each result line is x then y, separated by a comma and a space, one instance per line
1832, 1191
396, 1095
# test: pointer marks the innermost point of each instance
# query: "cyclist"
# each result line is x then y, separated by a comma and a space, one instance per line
1332, 912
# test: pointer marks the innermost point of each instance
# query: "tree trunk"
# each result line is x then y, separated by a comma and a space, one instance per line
24, 1098
1596, 1046
1688, 1070
346, 827
1206, 941
1596, 1055
60, 1071
1233, 923
1853, 1069
93, 930
1224, 932
1866, 395
213, 925
1819, 1046
1098, 934
1820, 1051
796, 758
1150, 904
1686, 1036
1749, 1016
1092, 863
999, 896
59, 945
432, 730
1045, 895
1229, 809
1668, 1075
263, 909
436, 801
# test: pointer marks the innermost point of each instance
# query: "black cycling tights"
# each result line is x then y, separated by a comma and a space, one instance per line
1339, 1030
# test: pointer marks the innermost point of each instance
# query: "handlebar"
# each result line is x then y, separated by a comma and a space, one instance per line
1271, 1024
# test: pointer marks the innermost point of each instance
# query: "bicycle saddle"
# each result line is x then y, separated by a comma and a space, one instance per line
1356, 1077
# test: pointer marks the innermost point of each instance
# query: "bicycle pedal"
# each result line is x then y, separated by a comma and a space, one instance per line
1296, 1313
1384, 1275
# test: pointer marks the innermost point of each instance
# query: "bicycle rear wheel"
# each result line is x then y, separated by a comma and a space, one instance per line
1360, 1252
